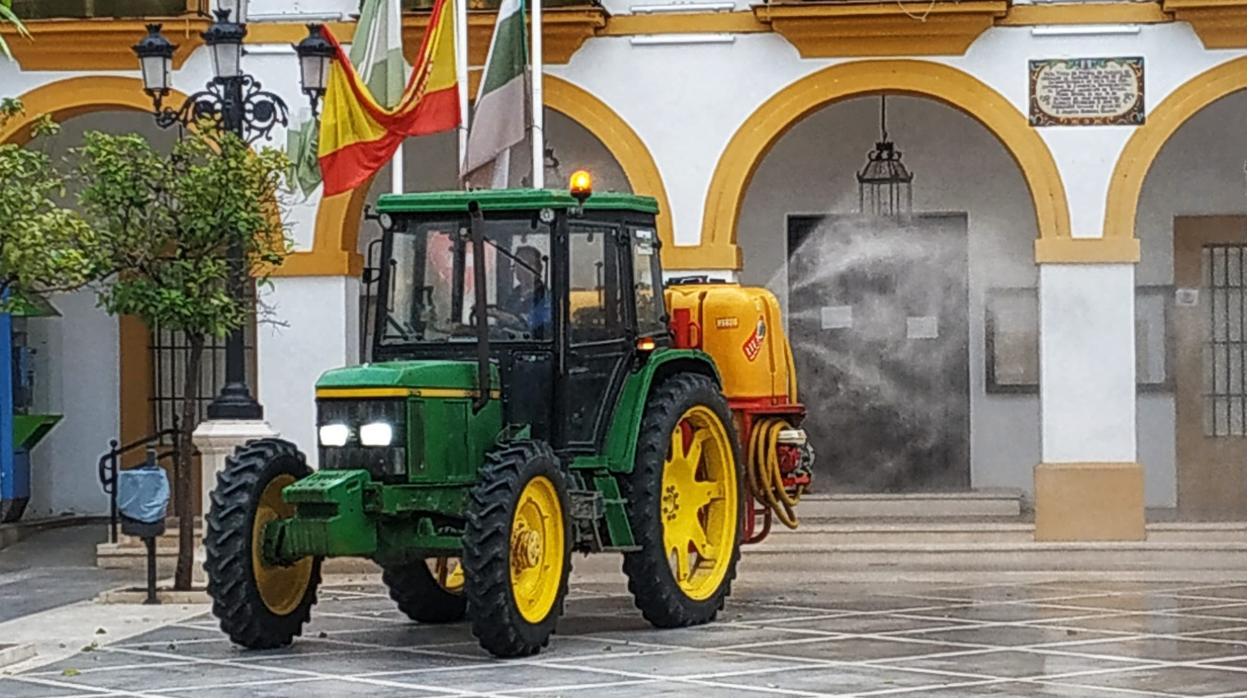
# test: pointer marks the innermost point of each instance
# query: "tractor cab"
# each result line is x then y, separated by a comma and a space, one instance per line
570, 286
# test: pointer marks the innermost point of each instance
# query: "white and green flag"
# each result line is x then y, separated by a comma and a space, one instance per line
499, 121
377, 53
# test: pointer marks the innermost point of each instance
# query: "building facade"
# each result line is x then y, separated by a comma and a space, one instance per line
1061, 313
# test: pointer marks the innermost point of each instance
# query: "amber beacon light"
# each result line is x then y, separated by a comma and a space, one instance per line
581, 185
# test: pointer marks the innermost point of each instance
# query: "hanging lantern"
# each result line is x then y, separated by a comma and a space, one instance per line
884, 185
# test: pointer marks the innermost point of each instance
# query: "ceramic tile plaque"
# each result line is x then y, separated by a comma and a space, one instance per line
1086, 92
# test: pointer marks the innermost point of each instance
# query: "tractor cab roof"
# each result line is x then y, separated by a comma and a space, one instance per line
511, 200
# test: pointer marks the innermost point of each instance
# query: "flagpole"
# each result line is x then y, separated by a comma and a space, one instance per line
537, 102
461, 77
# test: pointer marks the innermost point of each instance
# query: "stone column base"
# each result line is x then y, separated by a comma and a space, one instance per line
1089, 502
217, 440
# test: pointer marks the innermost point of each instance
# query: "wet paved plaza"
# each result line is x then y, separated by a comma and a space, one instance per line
1051, 639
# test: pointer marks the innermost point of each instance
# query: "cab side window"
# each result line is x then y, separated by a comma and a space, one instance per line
595, 309
647, 282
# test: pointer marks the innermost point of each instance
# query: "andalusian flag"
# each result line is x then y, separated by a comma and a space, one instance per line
358, 135
499, 119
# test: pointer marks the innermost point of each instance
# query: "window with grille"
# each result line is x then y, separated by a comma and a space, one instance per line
168, 350
1224, 269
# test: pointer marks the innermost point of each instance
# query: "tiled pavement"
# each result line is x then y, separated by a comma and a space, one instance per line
1052, 639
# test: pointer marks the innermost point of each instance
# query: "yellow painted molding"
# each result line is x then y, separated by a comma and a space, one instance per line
744, 22
1089, 502
1126, 186
338, 217
97, 44
1084, 13
564, 31
1218, 23
770, 121
1087, 251
831, 29
292, 33
65, 99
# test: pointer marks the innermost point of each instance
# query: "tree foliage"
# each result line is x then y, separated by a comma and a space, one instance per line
8, 17
166, 226
44, 246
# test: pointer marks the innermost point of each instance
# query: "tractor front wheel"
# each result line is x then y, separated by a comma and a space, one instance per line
685, 504
260, 605
517, 550
428, 591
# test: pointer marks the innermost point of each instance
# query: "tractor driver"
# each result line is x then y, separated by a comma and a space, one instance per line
528, 303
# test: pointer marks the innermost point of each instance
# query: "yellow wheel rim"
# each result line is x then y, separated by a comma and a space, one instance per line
281, 588
699, 502
448, 571
536, 552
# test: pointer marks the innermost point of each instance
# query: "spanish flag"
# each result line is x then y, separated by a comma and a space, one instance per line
358, 136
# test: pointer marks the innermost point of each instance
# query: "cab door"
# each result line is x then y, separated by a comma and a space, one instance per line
599, 341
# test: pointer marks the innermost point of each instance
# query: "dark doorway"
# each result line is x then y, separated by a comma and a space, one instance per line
877, 319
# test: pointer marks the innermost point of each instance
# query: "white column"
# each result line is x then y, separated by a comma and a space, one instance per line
1089, 485
1087, 362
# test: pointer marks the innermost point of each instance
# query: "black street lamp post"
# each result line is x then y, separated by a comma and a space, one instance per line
233, 102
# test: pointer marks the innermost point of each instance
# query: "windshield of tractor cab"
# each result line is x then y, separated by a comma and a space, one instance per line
431, 284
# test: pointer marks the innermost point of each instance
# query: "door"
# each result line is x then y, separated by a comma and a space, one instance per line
598, 343
878, 323
1210, 276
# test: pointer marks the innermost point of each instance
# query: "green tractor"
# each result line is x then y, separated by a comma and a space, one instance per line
523, 401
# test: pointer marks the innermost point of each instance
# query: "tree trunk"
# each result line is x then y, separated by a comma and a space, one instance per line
184, 477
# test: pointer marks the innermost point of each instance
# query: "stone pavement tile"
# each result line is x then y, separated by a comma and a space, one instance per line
857, 649
1226, 591
505, 677
1159, 648
1024, 689
1160, 624
1238, 634
594, 624
1220, 611
721, 634
34, 687
361, 662
676, 664
655, 690
1011, 635
1178, 680
1134, 602
867, 624
410, 634
1013, 664
170, 676
301, 688
1003, 612
1000, 593
842, 679
1111, 587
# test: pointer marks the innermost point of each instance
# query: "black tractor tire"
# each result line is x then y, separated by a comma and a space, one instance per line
497, 621
417, 593
232, 584
651, 581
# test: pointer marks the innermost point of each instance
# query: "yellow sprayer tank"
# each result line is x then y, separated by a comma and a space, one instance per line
742, 329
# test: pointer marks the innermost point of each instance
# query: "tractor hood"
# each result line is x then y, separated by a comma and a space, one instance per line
412, 375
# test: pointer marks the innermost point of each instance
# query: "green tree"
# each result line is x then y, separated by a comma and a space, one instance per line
8, 17
44, 247
166, 224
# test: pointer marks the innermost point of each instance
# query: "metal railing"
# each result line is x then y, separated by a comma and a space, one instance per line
110, 464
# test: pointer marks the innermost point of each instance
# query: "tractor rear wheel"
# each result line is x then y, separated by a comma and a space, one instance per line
428, 591
685, 504
517, 549
260, 605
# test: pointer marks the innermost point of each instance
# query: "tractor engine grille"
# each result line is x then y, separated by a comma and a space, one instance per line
386, 464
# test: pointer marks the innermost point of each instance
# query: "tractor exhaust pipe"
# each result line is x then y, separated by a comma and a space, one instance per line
481, 300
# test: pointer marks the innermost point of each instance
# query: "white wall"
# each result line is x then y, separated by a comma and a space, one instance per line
76, 364
958, 166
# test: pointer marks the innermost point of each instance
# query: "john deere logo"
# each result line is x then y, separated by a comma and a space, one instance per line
753, 345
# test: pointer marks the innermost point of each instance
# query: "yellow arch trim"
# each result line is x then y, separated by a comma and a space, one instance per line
65, 99
1135, 161
334, 252
769, 122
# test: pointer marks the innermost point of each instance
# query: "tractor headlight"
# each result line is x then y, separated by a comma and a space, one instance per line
376, 434
334, 434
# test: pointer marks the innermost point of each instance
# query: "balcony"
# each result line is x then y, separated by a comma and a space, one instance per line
113, 9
